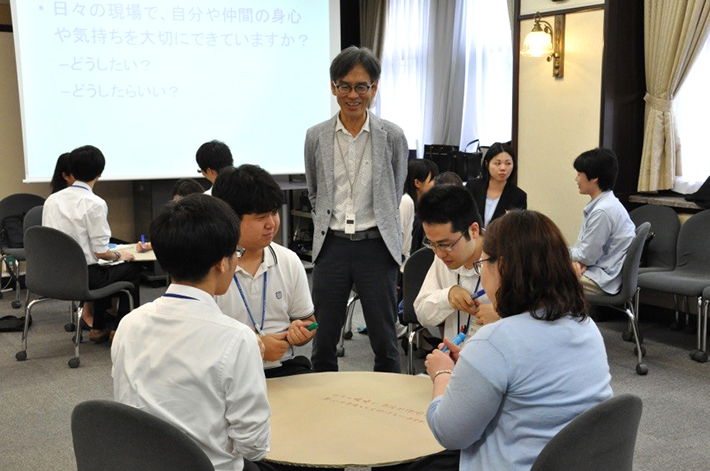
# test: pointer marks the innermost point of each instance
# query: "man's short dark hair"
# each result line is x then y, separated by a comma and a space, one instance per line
86, 163
192, 235
248, 189
215, 155
352, 56
599, 163
448, 178
449, 203
187, 186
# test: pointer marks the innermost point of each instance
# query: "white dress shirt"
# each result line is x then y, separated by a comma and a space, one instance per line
406, 215
78, 212
185, 362
432, 303
355, 149
288, 296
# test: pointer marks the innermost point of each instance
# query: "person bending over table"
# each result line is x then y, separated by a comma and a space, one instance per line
269, 292
180, 358
519, 381
211, 158
494, 192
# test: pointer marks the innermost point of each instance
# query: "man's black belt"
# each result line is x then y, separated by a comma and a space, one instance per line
372, 233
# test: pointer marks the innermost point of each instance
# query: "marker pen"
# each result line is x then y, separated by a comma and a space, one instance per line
478, 294
458, 340
142, 243
312, 326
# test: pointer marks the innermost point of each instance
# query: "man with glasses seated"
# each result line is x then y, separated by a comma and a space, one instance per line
451, 223
212, 157
356, 165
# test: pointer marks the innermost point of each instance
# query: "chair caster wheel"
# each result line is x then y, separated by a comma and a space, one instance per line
21, 356
16, 304
676, 326
699, 356
340, 352
70, 327
641, 369
348, 335
74, 363
627, 336
643, 351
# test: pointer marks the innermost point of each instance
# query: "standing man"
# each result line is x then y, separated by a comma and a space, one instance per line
212, 157
356, 165
607, 229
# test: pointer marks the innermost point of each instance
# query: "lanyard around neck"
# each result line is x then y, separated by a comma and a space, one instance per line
79, 186
465, 328
178, 296
259, 328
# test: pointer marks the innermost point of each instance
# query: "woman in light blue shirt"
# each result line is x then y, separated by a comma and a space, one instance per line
520, 380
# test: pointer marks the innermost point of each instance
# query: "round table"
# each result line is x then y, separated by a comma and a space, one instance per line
350, 419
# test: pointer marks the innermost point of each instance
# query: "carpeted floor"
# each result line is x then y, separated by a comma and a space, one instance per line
38, 395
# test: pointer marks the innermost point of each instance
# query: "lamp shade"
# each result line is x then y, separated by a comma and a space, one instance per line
537, 43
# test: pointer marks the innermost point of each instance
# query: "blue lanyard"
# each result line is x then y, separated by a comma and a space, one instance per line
178, 296
78, 186
259, 329
464, 328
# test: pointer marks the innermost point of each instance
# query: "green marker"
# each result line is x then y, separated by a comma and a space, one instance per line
312, 326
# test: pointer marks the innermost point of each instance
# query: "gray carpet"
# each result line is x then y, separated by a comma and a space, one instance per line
38, 395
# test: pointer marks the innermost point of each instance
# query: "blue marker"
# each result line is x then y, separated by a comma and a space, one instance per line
478, 294
143, 242
458, 340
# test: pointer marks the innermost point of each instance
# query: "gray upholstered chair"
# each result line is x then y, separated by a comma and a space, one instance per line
33, 218
661, 249
692, 272
602, 438
627, 297
415, 271
660, 252
112, 436
56, 269
18, 204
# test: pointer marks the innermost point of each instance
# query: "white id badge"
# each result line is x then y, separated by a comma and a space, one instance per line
349, 223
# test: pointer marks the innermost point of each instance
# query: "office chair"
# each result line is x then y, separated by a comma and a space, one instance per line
602, 438
112, 436
346, 333
660, 252
415, 271
691, 274
15, 205
628, 296
51, 256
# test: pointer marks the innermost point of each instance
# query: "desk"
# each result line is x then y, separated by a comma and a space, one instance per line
349, 419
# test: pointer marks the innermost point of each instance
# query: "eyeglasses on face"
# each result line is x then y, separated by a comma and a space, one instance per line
477, 265
360, 88
444, 247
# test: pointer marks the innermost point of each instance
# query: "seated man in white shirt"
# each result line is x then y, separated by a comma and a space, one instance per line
607, 230
451, 224
81, 214
180, 358
211, 158
269, 292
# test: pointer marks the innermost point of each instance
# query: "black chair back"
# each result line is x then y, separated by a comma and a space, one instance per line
630, 268
660, 251
602, 438
415, 271
56, 266
112, 436
693, 249
18, 204
33, 218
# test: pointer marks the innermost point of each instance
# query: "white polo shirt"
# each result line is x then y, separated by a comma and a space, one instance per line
182, 360
288, 296
78, 212
432, 303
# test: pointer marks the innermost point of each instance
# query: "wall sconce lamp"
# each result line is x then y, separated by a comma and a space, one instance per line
541, 41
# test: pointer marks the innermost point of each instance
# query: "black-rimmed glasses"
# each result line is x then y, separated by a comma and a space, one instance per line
360, 88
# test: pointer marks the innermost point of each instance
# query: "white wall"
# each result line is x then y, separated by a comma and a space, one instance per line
559, 119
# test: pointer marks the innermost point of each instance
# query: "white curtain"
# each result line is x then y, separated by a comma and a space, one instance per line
488, 106
691, 106
447, 71
401, 93
674, 33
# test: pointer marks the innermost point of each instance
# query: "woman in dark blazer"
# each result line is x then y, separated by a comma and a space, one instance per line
494, 192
